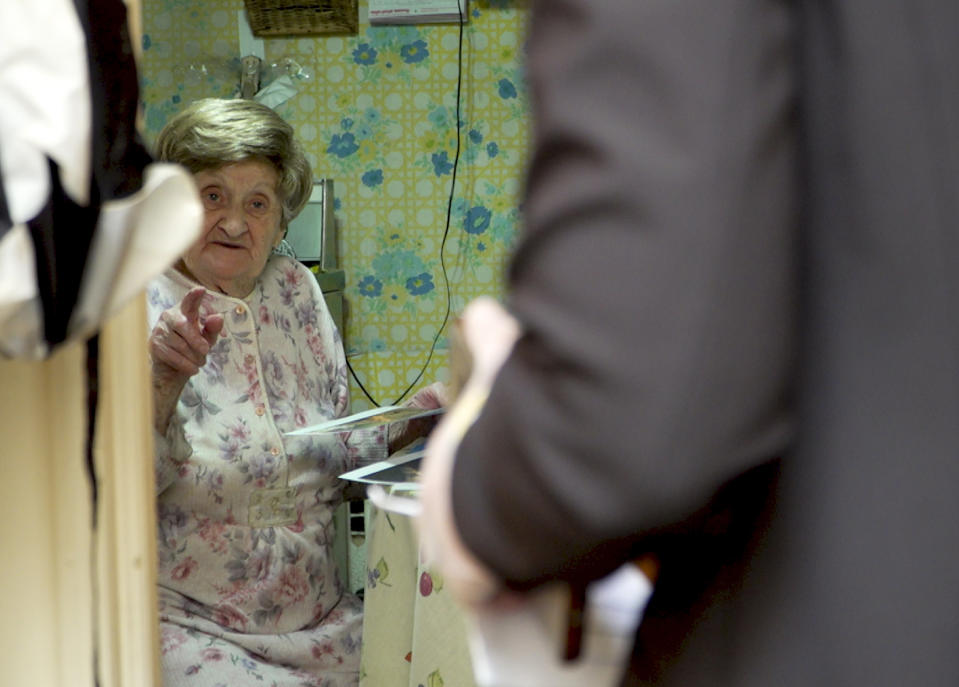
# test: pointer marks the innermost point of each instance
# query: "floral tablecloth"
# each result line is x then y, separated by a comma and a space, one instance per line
413, 633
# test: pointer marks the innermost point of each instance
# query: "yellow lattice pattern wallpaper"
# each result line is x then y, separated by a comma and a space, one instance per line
377, 113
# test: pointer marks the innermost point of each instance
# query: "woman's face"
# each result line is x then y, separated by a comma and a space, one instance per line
241, 226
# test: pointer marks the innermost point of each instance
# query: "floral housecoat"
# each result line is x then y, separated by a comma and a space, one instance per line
249, 590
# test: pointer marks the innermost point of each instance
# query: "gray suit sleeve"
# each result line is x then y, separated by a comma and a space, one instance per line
655, 281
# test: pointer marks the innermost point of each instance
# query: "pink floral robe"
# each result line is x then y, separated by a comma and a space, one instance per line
249, 592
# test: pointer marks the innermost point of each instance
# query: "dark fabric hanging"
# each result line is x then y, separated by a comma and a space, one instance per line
61, 235
119, 156
5, 221
63, 231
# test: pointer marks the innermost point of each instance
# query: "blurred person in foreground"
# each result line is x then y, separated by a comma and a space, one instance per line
754, 376
243, 350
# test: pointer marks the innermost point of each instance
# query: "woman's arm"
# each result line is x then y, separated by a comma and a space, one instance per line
179, 344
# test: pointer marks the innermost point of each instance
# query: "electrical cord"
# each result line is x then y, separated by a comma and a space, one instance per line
446, 230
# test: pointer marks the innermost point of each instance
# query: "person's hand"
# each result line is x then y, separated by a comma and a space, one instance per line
179, 344
482, 339
429, 397
486, 333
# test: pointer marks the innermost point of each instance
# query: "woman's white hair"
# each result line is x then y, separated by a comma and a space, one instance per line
211, 133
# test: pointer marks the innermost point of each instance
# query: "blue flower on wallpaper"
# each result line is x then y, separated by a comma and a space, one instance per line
370, 286
506, 89
441, 163
420, 284
440, 118
492, 149
398, 279
365, 54
342, 145
397, 264
475, 137
373, 178
406, 34
477, 219
414, 52
384, 36
146, 41
363, 131
372, 115
480, 246
346, 124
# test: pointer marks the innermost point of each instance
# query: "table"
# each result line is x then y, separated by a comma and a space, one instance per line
413, 633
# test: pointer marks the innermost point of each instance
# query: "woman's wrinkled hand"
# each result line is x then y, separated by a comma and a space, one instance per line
429, 397
179, 344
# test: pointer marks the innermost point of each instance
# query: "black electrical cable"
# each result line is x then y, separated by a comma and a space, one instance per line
360, 384
446, 230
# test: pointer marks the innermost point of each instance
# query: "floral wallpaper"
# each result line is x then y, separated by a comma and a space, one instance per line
377, 112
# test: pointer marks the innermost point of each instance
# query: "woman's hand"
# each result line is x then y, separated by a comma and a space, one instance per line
429, 397
179, 344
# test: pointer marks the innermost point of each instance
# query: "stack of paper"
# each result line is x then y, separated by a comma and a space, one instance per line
367, 419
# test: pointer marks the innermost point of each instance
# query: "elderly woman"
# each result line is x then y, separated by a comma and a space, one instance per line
243, 350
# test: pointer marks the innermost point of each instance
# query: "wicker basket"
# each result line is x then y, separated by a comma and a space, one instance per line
301, 17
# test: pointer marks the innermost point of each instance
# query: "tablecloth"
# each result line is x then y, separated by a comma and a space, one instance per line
414, 635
